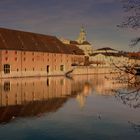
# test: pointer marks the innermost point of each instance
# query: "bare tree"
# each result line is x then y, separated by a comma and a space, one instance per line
132, 18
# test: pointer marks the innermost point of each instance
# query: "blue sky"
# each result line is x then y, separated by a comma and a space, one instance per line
63, 18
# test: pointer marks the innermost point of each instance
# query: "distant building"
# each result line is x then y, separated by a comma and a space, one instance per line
105, 50
108, 57
30, 54
81, 42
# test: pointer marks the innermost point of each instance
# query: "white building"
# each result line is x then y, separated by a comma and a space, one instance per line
108, 57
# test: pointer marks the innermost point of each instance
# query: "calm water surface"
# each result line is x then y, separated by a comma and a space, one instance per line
58, 108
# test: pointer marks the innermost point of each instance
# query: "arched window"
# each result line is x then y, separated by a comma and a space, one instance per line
6, 68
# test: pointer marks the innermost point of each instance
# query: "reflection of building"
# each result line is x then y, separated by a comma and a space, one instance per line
19, 91
81, 97
30, 54
20, 97
106, 84
34, 96
81, 42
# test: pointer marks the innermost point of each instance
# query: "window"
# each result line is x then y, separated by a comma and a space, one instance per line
6, 86
6, 68
6, 52
61, 67
6, 58
48, 68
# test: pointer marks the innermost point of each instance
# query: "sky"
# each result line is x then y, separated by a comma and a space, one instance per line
64, 18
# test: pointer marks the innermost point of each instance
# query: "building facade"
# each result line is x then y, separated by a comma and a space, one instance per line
29, 54
108, 57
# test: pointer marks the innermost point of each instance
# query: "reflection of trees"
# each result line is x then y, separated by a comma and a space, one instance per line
130, 95
135, 126
130, 98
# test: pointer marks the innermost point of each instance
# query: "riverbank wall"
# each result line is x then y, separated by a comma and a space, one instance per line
93, 70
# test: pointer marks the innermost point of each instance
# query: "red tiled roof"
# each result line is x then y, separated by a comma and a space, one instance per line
134, 55
27, 41
75, 49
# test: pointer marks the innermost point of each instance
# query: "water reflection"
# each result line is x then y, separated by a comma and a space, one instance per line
34, 96
136, 127
30, 97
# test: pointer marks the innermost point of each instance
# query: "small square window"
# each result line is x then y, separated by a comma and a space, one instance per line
6, 58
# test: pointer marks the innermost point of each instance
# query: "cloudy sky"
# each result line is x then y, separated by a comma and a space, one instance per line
63, 18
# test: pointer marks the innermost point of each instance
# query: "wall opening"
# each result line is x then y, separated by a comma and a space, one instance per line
6, 68
61, 67
48, 68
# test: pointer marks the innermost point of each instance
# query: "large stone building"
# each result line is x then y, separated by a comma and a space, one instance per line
30, 54
81, 42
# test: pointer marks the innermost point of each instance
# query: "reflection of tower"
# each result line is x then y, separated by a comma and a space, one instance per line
81, 99
82, 36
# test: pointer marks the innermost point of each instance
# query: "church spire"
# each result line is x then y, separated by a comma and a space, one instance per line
82, 36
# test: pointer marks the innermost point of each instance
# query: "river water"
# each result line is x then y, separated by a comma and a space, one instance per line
88, 107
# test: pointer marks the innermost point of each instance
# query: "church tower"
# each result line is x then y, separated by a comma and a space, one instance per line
82, 36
